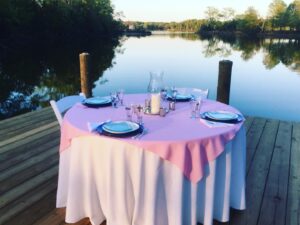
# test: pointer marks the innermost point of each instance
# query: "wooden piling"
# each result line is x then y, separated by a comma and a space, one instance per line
84, 74
224, 80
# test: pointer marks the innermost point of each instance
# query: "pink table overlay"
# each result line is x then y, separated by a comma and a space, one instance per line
185, 142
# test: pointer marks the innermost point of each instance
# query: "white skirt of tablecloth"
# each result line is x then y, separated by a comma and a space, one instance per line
110, 180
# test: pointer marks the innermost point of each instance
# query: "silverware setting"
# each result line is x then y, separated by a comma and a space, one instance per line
139, 136
217, 123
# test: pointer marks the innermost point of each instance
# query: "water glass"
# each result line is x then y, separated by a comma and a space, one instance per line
194, 108
114, 99
172, 105
129, 111
120, 95
174, 93
199, 100
138, 110
164, 94
147, 103
162, 112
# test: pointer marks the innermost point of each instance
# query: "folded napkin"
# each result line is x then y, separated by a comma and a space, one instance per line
213, 124
92, 126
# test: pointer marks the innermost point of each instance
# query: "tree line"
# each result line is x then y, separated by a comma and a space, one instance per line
26, 20
192, 25
281, 18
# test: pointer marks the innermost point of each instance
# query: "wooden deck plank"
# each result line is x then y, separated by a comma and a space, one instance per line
29, 151
28, 185
28, 173
25, 125
21, 130
253, 137
10, 172
22, 145
257, 176
29, 198
57, 217
274, 202
28, 116
35, 211
54, 217
248, 123
27, 137
267, 136
19, 123
293, 202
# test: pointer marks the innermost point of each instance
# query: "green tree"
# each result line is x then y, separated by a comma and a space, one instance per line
277, 13
213, 17
293, 15
249, 22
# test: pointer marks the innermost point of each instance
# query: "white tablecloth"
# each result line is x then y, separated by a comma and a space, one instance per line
126, 185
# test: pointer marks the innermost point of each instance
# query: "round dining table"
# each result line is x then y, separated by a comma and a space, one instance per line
183, 171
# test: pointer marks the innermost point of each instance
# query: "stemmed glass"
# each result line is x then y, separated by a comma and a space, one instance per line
114, 99
129, 112
138, 110
164, 93
120, 95
195, 106
174, 93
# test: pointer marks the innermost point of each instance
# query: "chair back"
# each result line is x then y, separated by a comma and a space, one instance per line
62, 105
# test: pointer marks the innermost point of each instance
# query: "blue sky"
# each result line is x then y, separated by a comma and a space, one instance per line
178, 10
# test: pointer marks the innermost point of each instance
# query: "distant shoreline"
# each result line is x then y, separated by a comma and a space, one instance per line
274, 34
171, 32
137, 33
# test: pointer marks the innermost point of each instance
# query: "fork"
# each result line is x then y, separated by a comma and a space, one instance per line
139, 136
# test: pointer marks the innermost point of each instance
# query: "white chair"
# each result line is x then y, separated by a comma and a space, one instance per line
203, 93
61, 106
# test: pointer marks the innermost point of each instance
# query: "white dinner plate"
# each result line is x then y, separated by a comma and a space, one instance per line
222, 115
120, 127
182, 97
97, 100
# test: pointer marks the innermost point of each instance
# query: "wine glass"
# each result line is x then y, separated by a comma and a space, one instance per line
138, 110
194, 104
129, 112
174, 93
164, 93
120, 95
114, 99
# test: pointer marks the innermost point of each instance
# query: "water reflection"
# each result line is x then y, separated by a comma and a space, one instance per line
31, 76
276, 51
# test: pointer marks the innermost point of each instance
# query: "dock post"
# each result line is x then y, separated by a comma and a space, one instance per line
84, 74
224, 80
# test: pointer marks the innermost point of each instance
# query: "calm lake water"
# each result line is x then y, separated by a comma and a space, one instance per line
265, 78
261, 84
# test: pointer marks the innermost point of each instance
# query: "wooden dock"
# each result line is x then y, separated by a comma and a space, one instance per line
29, 165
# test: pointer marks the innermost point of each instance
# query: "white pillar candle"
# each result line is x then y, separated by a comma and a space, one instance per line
155, 103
